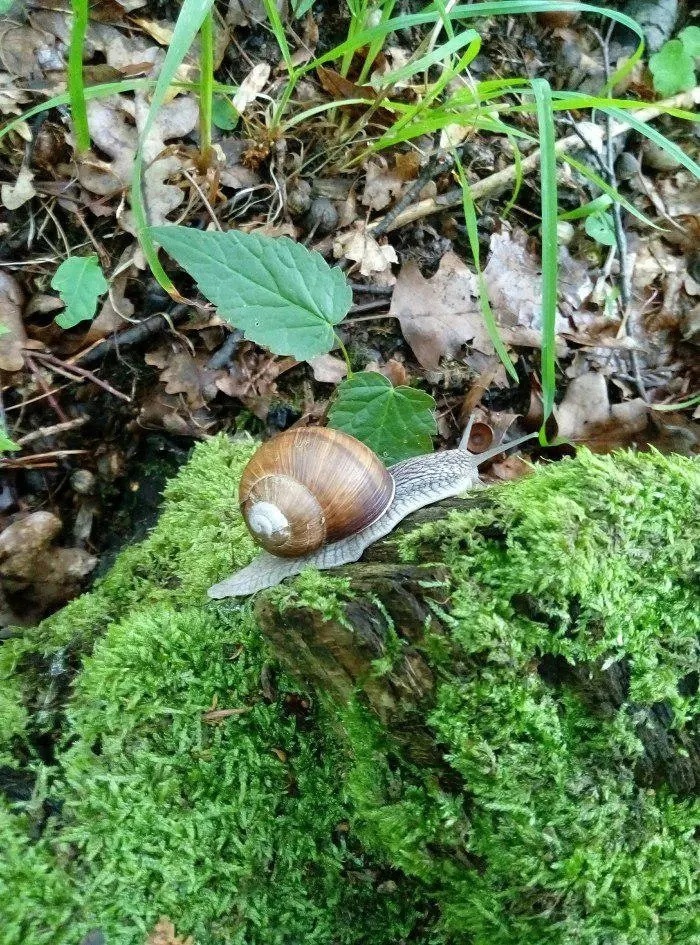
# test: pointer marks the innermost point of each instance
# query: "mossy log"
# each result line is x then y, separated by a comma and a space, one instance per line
489, 733
390, 602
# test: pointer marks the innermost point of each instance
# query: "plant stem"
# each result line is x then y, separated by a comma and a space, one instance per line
344, 352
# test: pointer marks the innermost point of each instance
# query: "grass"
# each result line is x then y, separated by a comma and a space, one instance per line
76, 91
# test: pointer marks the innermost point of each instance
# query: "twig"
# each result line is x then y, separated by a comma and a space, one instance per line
79, 374
132, 337
221, 358
57, 428
45, 387
497, 182
439, 162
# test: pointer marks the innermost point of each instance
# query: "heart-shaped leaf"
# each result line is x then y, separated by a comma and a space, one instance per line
396, 422
80, 282
282, 295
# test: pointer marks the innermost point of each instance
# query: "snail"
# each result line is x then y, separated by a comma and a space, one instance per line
316, 497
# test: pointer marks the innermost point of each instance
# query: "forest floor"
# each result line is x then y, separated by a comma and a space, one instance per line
95, 416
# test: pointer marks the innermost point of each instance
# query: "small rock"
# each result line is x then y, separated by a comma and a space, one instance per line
627, 166
83, 482
299, 198
565, 232
322, 216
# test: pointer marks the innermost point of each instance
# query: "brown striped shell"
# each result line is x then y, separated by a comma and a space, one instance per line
311, 486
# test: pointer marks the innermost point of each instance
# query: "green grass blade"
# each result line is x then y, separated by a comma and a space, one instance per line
76, 90
517, 185
206, 83
588, 209
466, 38
550, 260
611, 192
473, 237
189, 22
278, 29
644, 128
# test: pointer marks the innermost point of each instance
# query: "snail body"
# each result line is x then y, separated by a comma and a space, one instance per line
343, 473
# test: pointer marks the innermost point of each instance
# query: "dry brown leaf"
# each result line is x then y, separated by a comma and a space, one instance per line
14, 195
381, 185
19, 48
309, 41
184, 374
113, 131
360, 246
328, 369
586, 402
407, 166
439, 315
251, 86
514, 281
12, 334
164, 934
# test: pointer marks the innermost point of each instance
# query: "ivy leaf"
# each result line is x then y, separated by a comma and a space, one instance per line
80, 282
673, 68
7, 444
281, 294
690, 37
396, 422
601, 228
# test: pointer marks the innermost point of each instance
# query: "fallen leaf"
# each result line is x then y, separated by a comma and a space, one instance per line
514, 281
12, 334
114, 133
360, 246
14, 195
251, 86
586, 402
164, 934
19, 46
407, 166
381, 185
328, 369
438, 316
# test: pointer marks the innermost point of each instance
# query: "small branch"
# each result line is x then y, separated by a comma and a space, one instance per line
79, 374
133, 337
44, 432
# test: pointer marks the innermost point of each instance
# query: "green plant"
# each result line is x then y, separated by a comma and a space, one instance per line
288, 299
80, 282
7, 444
76, 89
673, 66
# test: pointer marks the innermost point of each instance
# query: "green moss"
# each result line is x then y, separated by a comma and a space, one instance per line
263, 828
234, 829
554, 839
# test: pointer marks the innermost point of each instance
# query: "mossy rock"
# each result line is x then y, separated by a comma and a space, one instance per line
516, 763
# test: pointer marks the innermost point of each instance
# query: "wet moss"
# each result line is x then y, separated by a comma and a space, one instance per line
572, 616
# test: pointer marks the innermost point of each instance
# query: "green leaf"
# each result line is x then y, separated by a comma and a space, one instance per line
673, 68
80, 282
601, 228
281, 294
396, 422
690, 37
223, 114
300, 7
7, 445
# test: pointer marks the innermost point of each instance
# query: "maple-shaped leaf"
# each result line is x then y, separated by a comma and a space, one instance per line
80, 282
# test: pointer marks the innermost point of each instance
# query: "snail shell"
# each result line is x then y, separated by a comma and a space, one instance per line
311, 486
